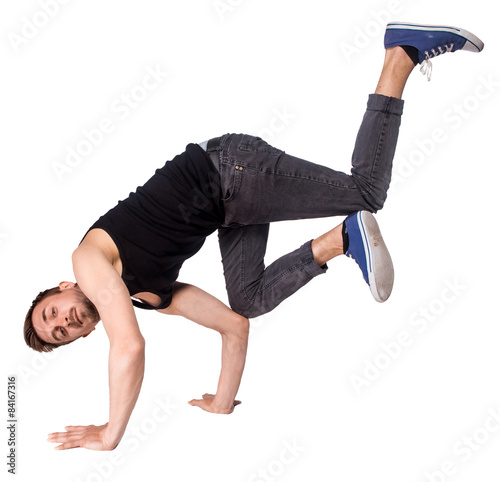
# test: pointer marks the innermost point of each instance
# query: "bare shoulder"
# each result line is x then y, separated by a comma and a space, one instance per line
95, 261
97, 241
98, 279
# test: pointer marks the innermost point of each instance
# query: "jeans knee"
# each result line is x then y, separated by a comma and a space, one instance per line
372, 195
376, 205
238, 302
253, 311
373, 201
241, 305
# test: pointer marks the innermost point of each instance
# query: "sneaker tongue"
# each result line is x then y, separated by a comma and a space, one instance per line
412, 52
345, 238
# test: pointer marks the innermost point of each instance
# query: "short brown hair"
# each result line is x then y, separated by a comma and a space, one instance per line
30, 335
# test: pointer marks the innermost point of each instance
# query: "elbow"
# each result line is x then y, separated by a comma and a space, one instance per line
240, 326
135, 347
138, 346
245, 326
135, 352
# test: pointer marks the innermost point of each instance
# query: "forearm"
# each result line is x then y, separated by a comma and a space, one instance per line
197, 305
126, 372
234, 350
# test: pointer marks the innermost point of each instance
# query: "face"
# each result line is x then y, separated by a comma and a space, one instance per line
65, 316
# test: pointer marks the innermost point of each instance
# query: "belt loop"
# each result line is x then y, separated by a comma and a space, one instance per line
213, 150
214, 156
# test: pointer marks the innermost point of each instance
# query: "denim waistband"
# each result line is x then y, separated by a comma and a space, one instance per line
213, 154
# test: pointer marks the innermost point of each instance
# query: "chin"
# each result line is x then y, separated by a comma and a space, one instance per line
90, 311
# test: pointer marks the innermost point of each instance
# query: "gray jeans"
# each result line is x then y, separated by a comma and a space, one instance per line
262, 184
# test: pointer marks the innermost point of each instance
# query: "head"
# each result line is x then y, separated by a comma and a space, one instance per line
59, 316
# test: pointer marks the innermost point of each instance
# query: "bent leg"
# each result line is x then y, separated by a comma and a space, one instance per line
252, 288
377, 137
375, 148
262, 184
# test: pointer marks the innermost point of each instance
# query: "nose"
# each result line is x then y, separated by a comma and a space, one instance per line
69, 321
63, 319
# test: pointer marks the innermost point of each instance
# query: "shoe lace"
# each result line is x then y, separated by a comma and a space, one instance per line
426, 67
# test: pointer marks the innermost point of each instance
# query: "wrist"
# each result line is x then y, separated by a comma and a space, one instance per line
113, 435
222, 406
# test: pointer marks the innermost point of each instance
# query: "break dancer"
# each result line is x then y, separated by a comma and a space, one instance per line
236, 184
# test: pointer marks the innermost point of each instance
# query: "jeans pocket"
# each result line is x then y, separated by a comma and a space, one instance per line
256, 144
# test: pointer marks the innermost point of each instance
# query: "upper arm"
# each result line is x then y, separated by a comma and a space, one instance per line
197, 305
103, 286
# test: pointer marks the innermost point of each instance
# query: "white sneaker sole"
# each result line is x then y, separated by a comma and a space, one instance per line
379, 262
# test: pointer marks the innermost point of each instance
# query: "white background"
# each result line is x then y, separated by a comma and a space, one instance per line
233, 66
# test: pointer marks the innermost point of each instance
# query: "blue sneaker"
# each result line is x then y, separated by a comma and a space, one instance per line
430, 40
367, 248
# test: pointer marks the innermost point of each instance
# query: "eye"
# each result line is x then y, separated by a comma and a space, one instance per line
63, 333
53, 312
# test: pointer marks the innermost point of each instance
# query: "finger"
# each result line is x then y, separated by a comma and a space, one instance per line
207, 396
57, 436
60, 435
67, 445
64, 437
199, 403
59, 441
71, 428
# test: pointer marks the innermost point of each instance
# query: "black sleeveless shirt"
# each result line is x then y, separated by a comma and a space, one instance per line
165, 222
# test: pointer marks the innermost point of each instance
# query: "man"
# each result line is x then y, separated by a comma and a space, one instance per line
236, 184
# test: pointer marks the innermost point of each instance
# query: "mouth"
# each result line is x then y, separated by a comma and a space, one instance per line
75, 316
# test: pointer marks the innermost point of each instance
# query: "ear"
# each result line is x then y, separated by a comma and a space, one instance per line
64, 285
83, 336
